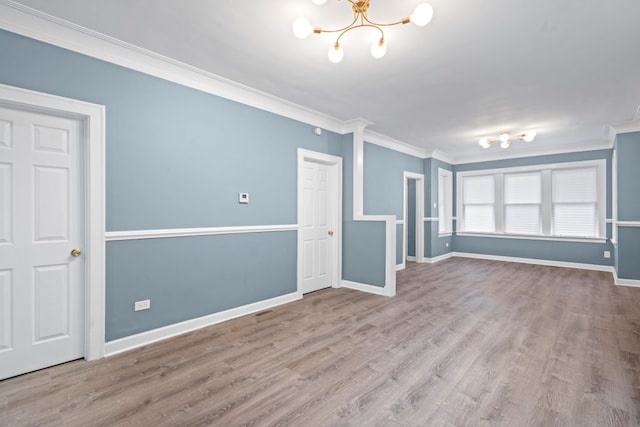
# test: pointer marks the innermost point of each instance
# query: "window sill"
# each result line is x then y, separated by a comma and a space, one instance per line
530, 237
445, 234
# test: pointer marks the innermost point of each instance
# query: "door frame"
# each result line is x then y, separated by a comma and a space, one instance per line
419, 178
336, 188
92, 120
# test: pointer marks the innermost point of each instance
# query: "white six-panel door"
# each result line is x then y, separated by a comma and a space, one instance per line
316, 227
41, 222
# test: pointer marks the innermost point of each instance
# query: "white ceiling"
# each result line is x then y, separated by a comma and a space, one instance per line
567, 69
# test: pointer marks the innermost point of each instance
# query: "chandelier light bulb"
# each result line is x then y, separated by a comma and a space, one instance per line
302, 28
378, 48
484, 143
422, 14
504, 137
335, 53
505, 144
529, 136
319, 2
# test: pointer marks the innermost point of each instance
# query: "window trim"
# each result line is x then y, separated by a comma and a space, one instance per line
448, 219
545, 169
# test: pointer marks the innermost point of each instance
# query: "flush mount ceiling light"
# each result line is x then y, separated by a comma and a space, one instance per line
421, 16
505, 139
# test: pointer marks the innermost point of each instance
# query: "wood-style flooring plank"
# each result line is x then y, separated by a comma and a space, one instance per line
464, 343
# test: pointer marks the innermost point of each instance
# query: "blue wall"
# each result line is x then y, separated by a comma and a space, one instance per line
177, 157
435, 245
363, 242
384, 184
628, 159
410, 220
556, 250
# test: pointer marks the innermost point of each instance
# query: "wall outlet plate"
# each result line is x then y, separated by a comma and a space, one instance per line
243, 197
142, 305
607, 254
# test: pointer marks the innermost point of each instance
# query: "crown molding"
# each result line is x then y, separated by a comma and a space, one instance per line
394, 144
37, 25
627, 127
443, 157
592, 145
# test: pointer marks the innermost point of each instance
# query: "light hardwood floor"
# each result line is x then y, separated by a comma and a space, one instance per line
465, 342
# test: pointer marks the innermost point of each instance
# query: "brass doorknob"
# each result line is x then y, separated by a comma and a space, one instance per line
76, 252
330, 232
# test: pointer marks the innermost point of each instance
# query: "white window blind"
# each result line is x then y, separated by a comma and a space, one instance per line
575, 202
522, 203
478, 201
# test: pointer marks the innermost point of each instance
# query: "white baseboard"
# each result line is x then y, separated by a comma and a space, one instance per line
144, 338
625, 282
549, 263
363, 287
411, 258
400, 266
438, 258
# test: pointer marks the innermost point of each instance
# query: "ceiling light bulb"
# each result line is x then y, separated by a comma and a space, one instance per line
319, 2
529, 136
504, 137
422, 14
505, 144
378, 48
335, 53
484, 143
302, 28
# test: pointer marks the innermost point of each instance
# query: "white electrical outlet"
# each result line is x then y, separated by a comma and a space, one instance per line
243, 197
447, 244
142, 305
607, 254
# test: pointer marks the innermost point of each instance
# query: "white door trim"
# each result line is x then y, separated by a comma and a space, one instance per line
91, 116
336, 262
419, 178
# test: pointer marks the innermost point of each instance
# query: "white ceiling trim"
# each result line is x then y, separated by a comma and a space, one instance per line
506, 155
31, 23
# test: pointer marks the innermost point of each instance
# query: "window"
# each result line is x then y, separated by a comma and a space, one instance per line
445, 201
522, 203
575, 202
479, 203
556, 200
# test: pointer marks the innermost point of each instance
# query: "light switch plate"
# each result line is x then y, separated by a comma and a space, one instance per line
243, 197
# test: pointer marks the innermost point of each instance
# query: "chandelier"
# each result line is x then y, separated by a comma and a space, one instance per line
505, 139
421, 16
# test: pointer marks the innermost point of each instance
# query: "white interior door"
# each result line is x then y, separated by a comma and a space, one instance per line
41, 222
318, 227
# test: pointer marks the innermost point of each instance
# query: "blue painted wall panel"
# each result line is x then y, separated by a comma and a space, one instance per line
383, 179
189, 277
628, 156
629, 253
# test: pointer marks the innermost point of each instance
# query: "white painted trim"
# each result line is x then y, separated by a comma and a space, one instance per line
448, 234
358, 127
91, 117
633, 126
439, 258
429, 219
155, 335
399, 221
578, 147
549, 263
190, 232
625, 282
336, 262
376, 290
527, 237
29, 22
609, 220
628, 223
400, 266
411, 258
393, 144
